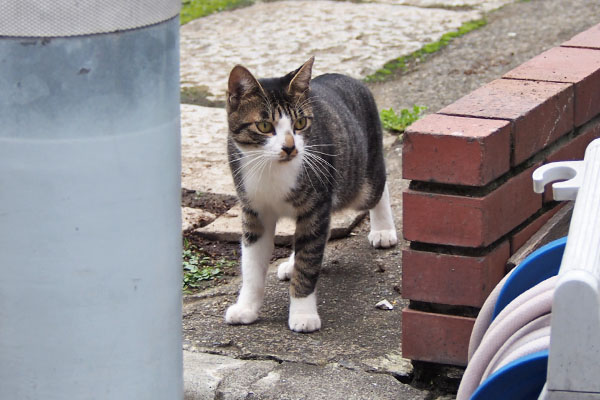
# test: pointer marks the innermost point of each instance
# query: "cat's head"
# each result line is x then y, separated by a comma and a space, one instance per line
272, 115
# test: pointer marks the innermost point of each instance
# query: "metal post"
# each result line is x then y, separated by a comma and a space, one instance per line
90, 245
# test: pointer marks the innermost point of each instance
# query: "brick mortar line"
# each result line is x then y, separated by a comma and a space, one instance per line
510, 78
579, 47
444, 309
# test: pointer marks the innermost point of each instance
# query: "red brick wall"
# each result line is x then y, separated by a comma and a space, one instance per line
471, 203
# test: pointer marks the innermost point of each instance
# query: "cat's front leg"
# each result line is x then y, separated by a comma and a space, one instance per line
257, 248
312, 232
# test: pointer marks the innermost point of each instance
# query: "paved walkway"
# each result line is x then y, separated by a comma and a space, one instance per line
273, 38
357, 353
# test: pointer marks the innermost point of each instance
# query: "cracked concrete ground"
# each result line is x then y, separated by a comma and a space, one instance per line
357, 354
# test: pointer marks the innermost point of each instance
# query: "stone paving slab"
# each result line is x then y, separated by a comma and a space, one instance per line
273, 38
228, 227
209, 376
204, 374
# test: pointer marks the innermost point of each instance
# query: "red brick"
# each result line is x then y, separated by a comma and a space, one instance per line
469, 221
589, 39
580, 67
541, 112
448, 149
435, 337
573, 150
452, 279
523, 235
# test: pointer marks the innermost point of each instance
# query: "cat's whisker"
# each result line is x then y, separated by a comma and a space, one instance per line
316, 170
250, 166
313, 167
246, 164
309, 148
254, 168
317, 145
324, 173
319, 169
320, 152
308, 176
321, 159
324, 163
247, 155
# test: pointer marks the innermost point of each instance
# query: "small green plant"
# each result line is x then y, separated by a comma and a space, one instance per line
399, 122
403, 63
198, 267
192, 9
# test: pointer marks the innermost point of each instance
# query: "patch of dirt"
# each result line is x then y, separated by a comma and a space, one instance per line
217, 251
229, 252
216, 204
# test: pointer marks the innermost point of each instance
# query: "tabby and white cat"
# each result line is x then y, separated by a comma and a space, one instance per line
303, 149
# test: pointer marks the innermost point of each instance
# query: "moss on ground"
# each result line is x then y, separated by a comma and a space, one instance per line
199, 96
403, 63
193, 9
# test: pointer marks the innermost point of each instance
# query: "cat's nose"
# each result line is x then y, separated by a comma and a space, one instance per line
288, 150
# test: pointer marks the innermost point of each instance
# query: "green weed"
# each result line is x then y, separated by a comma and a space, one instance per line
198, 267
402, 63
192, 9
399, 122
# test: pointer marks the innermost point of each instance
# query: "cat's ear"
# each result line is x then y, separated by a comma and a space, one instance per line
301, 78
241, 83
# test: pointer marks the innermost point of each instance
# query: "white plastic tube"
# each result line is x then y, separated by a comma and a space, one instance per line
90, 246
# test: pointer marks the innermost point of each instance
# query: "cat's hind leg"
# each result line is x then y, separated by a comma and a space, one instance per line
383, 229
285, 269
257, 247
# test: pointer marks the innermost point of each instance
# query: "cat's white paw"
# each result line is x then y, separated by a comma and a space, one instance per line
303, 314
304, 322
241, 314
383, 239
285, 269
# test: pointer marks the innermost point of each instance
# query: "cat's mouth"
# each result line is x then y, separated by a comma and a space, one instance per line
287, 154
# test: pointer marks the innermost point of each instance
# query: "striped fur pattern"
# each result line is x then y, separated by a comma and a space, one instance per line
303, 149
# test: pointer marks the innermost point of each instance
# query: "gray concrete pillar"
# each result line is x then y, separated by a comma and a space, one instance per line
90, 245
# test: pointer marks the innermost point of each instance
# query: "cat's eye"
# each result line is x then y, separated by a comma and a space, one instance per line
300, 124
264, 127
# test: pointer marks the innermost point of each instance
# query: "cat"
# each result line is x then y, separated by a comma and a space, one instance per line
301, 148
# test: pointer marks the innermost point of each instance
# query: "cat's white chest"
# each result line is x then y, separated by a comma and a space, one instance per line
268, 188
